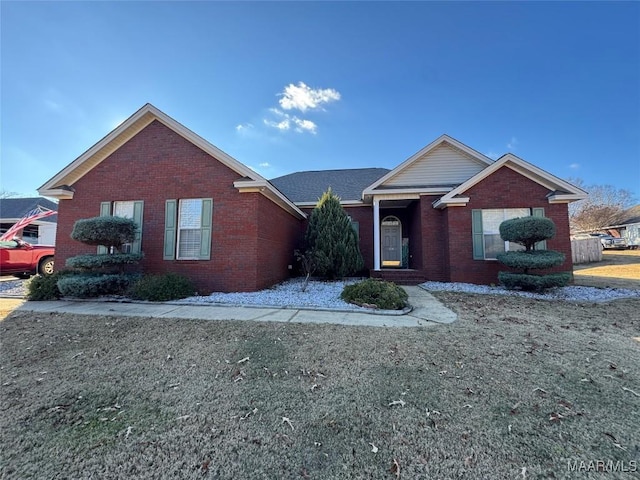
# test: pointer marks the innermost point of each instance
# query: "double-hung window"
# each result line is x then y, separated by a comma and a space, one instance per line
126, 209
188, 229
487, 243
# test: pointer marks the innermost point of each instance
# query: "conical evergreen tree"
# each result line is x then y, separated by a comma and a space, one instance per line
333, 239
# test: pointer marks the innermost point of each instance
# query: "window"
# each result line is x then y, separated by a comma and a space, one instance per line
126, 209
188, 229
487, 242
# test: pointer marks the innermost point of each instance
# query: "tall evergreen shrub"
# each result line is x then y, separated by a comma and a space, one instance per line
332, 238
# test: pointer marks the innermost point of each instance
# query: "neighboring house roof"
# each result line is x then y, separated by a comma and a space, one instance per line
561, 191
631, 215
13, 209
308, 187
61, 185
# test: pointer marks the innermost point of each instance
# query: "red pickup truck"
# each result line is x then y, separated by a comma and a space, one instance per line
22, 259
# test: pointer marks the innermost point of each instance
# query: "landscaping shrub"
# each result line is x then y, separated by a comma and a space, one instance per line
93, 262
528, 231
533, 259
333, 239
161, 288
108, 231
384, 295
103, 273
86, 285
535, 283
42, 288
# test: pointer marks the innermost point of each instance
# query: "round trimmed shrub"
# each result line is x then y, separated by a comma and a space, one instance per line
97, 261
535, 283
162, 288
527, 231
384, 295
106, 231
87, 285
533, 259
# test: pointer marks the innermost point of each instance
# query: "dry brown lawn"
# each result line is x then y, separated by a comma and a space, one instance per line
516, 389
618, 269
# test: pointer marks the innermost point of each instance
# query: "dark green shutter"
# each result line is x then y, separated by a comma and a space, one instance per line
478, 237
205, 228
539, 212
138, 206
170, 224
105, 211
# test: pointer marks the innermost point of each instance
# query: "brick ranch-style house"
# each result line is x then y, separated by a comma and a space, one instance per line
207, 216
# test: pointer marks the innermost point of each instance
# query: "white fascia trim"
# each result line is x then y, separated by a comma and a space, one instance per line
396, 196
265, 188
565, 198
143, 117
410, 193
437, 142
344, 203
59, 193
203, 144
454, 202
116, 132
524, 168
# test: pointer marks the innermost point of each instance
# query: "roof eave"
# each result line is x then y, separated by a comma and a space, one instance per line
265, 188
58, 193
123, 133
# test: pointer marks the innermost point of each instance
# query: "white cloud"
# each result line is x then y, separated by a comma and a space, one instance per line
492, 155
243, 127
302, 97
283, 125
288, 122
512, 144
574, 166
298, 97
264, 164
305, 125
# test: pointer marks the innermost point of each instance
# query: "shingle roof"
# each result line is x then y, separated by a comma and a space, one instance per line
348, 184
631, 215
11, 208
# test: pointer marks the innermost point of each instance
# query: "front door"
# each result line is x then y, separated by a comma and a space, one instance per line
391, 234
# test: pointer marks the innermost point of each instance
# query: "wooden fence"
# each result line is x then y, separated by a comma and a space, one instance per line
585, 250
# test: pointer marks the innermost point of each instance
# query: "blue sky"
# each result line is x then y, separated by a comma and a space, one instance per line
292, 86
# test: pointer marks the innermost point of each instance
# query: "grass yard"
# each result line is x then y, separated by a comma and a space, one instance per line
618, 269
516, 389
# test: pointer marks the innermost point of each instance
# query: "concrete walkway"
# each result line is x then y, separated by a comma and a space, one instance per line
427, 311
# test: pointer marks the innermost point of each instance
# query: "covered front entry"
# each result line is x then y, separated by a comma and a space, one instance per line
395, 230
391, 245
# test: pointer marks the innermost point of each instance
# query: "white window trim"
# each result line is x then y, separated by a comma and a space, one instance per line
507, 244
179, 229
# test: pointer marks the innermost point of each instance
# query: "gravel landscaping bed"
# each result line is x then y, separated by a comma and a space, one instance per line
573, 293
327, 294
287, 294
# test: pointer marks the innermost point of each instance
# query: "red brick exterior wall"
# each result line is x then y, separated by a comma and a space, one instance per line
158, 164
505, 188
434, 241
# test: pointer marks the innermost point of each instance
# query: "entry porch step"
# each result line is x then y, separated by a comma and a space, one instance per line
401, 276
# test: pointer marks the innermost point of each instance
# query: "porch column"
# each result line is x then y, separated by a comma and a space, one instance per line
376, 234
